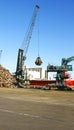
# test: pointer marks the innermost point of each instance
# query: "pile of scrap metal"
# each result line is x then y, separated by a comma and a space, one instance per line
6, 78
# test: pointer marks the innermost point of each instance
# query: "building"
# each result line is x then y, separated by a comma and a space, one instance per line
36, 73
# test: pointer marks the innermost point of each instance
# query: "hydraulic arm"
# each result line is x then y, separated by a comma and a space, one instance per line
60, 76
66, 61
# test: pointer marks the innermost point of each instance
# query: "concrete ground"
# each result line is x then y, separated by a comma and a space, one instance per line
31, 109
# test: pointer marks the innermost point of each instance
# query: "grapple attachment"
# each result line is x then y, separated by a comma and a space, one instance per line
38, 61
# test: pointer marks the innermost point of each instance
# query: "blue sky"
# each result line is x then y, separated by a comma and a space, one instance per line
56, 31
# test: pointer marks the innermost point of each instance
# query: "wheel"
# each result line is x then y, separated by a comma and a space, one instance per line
69, 89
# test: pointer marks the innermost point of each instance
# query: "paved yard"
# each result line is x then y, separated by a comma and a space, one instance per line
31, 109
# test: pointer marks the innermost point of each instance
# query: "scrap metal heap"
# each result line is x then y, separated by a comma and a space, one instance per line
6, 78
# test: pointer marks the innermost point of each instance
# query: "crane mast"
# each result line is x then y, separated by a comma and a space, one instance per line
22, 52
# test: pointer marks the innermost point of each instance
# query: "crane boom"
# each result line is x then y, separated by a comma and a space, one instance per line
28, 36
22, 52
66, 61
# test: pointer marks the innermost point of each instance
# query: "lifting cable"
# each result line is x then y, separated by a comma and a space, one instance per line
38, 59
38, 37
